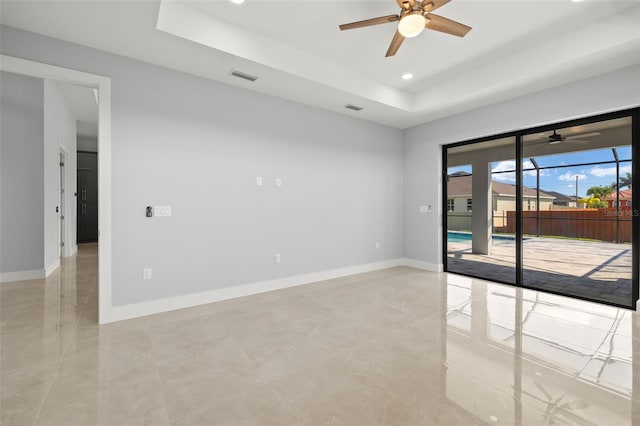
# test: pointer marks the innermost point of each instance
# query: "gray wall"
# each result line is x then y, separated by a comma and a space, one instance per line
87, 143
198, 145
59, 131
21, 173
423, 144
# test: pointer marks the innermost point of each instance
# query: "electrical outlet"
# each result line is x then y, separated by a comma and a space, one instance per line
146, 273
277, 258
258, 180
278, 182
377, 245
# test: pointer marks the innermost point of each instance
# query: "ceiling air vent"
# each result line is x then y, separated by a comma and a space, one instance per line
243, 75
353, 107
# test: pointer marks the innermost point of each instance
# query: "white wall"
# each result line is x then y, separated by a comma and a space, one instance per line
59, 132
423, 144
198, 146
21, 176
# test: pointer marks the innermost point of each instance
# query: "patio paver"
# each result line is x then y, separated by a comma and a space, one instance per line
591, 269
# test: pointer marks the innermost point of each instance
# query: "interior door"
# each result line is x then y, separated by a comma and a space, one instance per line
63, 208
87, 198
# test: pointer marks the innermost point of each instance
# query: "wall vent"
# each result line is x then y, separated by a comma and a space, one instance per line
353, 107
243, 75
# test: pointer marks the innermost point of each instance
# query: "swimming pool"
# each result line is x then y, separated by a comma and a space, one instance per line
459, 237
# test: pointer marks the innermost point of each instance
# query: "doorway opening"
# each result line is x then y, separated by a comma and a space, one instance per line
102, 92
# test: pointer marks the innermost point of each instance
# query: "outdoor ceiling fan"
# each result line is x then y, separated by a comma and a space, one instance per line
538, 146
557, 138
414, 17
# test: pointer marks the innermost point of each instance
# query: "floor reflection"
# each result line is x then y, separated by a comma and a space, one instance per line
396, 347
566, 361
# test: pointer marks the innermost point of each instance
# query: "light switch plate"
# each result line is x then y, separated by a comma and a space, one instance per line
146, 274
162, 211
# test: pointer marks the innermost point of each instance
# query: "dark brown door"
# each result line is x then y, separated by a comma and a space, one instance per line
87, 198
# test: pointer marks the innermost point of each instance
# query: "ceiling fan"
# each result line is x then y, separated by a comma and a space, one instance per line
414, 17
557, 138
538, 146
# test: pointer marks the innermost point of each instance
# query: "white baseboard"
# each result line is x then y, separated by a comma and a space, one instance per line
55, 265
34, 274
419, 264
119, 313
70, 252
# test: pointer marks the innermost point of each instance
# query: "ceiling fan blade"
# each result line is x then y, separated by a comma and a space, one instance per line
563, 141
431, 5
583, 135
395, 44
370, 22
578, 141
438, 23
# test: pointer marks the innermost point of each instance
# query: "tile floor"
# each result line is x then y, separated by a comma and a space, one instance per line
395, 347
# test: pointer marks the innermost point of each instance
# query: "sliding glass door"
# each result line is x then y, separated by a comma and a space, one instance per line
577, 229
550, 208
481, 191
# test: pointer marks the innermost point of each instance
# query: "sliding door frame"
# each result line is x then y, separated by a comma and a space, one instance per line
634, 114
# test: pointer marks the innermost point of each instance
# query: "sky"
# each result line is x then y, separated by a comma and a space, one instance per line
563, 179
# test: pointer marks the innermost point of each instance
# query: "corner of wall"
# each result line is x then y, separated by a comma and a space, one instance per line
425, 266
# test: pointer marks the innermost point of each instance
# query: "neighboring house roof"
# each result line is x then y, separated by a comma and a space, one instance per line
562, 197
460, 185
625, 194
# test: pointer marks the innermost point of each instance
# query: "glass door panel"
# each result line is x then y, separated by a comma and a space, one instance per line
576, 211
481, 204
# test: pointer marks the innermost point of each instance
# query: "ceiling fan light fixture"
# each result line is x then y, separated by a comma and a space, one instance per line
412, 24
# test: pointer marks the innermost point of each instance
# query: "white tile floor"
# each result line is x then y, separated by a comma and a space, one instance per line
395, 347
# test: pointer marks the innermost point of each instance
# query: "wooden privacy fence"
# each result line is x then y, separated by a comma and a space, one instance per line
595, 224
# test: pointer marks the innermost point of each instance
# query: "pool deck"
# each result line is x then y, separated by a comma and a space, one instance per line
592, 269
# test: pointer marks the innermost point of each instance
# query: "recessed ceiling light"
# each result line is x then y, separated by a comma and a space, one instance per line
237, 1
353, 107
407, 76
574, 1
243, 75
